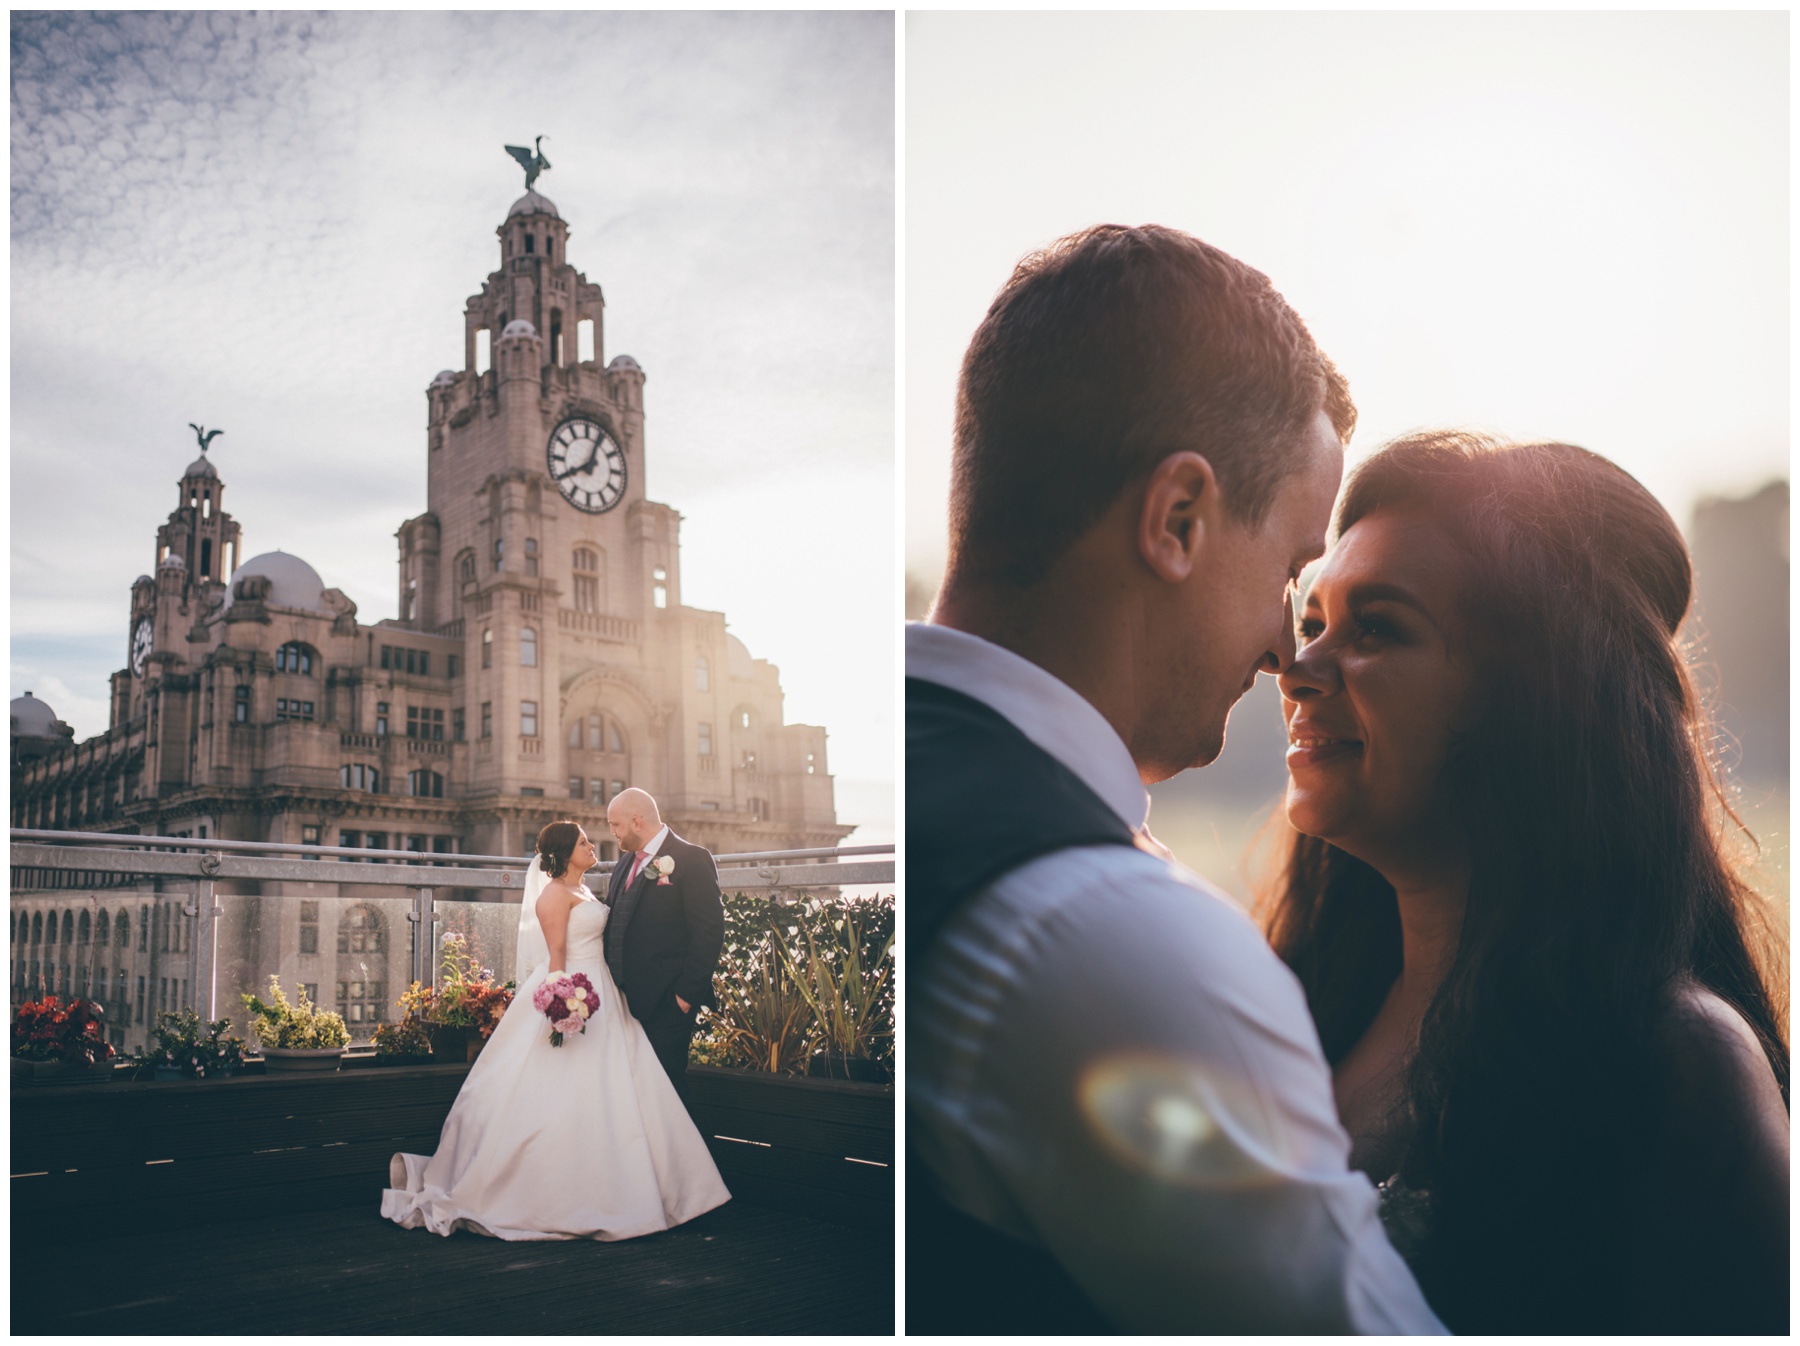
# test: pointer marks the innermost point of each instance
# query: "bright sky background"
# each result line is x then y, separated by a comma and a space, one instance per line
271, 223
1545, 225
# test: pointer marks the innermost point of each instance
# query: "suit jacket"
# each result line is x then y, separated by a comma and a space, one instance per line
663, 940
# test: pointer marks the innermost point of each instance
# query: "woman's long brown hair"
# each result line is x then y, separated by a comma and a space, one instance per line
1602, 881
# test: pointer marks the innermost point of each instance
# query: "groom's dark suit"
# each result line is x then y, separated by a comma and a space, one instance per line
663, 941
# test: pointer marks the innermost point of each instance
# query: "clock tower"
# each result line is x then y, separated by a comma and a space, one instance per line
196, 550
542, 555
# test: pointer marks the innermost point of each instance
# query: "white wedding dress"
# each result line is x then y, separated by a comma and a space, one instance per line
585, 1140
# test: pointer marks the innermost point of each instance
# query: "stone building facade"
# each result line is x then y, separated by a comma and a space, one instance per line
542, 658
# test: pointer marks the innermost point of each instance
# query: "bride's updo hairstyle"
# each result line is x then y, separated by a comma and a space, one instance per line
555, 844
1602, 876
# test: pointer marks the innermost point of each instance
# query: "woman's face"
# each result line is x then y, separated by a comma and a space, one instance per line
1379, 686
581, 859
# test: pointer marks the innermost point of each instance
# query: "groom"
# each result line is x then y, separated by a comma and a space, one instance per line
1118, 1112
666, 928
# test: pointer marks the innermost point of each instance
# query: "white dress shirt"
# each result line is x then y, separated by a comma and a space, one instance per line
1106, 1059
651, 847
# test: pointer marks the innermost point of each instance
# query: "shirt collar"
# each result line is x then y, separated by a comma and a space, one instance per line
652, 846
1048, 711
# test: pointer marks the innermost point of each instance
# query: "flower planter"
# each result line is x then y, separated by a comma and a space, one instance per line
837, 1066
449, 1042
303, 1058
404, 1059
26, 1071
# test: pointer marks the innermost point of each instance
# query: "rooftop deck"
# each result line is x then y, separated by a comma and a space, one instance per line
252, 1205
739, 1269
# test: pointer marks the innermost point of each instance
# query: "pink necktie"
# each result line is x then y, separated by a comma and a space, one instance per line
637, 867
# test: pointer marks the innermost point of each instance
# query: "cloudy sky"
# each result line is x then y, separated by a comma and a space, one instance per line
1546, 225
270, 223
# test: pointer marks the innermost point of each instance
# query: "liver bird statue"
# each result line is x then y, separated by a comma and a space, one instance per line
532, 163
204, 435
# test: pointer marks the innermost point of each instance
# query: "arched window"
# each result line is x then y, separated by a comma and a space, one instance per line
531, 556
68, 927
659, 587
742, 717
358, 776
84, 931
487, 647
103, 929
360, 931
499, 554
425, 784
294, 657
702, 674
594, 726
465, 567
37, 927
122, 931
527, 647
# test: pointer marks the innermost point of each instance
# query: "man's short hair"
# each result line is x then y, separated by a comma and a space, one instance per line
1102, 355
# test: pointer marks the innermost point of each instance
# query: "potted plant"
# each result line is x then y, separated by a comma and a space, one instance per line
463, 1010
850, 998
188, 1047
296, 1037
406, 1043
51, 1039
761, 1020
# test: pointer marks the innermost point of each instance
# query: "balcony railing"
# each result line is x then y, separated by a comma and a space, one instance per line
426, 892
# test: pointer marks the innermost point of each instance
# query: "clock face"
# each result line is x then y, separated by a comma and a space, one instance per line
587, 465
141, 641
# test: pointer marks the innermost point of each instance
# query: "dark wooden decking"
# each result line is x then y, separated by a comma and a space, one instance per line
251, 1205
739, 1269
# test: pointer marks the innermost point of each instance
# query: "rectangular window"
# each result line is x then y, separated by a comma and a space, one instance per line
587, 594
617, 787
499, 554
487, 648
487, 719
457, 727
387, 656
309, 927
381, 717
484, 345
309, 836
349, 841
702, 675
376, 841
531, 556
452, 662
532, 791
597, 790
417, 846
312, 991
528, 718
706, 740
140, 1000
659, 588
241, 708
574, 787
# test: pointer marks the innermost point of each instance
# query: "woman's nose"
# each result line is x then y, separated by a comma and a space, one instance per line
1309, 672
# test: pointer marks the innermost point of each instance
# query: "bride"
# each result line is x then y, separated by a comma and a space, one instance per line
585, 1140
1551, 999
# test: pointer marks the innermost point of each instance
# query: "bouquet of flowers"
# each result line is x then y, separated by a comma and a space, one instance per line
566, 1001
51, 1031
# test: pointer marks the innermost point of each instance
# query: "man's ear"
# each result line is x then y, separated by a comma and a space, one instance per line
1181, 501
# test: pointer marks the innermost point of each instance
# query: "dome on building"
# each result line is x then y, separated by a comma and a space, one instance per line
737, 658
32, 718
142, 579
171, 562
518, 327
444, 379
201, 467
624, 362
292, 582
532, 203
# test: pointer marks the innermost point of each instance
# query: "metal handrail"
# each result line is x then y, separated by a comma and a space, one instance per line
129, 841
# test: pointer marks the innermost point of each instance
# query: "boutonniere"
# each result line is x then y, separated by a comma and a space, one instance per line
662, 867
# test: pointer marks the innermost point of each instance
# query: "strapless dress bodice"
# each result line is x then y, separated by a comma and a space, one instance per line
587, 932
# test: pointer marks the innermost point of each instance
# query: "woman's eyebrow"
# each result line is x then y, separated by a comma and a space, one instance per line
1391, 593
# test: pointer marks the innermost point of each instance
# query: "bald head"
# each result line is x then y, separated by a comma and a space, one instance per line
633, 818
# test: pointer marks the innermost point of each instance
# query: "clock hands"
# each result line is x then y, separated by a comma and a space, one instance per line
586, 467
